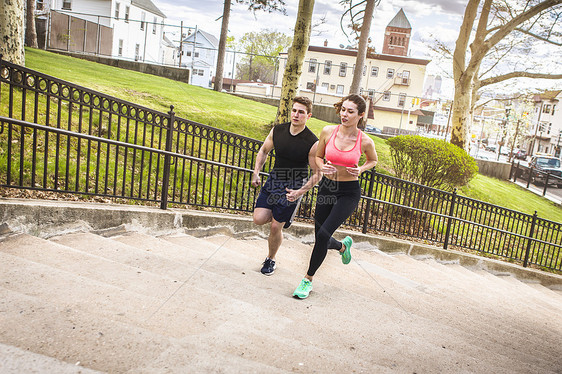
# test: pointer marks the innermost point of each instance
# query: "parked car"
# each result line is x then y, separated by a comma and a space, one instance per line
543, 164
372, 130
521, 154
491, 148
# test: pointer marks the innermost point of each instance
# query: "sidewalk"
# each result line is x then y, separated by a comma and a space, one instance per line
538, 190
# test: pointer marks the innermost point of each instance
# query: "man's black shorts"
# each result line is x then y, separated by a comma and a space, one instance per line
273, 196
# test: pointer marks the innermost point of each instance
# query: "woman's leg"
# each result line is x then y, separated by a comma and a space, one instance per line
337, 213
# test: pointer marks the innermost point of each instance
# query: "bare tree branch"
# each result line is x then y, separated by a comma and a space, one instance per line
517, 74
559, 44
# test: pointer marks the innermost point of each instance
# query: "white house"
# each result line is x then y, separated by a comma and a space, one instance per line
546, 122
200, 53
137, 24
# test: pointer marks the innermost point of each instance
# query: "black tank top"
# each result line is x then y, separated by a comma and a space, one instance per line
291, 152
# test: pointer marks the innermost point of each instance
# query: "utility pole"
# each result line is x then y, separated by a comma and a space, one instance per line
181, 42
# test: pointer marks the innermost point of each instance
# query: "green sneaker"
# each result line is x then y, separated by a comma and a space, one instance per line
303, 289
346, 255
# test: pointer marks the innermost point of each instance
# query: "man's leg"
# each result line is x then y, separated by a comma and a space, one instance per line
275, 238
262, 216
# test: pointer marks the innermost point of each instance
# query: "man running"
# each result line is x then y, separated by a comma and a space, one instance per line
295, 149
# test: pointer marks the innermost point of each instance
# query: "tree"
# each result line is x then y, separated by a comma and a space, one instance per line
253, 5
489, 29
261, 48
360, 20
295, 59
12, 17
30, 32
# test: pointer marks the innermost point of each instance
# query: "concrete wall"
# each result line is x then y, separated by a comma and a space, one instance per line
494, 169
175, 73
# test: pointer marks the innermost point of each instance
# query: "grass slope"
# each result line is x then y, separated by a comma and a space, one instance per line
244, 117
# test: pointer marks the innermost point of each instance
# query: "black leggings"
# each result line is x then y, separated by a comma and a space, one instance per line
335, 203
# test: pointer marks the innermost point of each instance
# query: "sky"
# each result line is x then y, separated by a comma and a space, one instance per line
429, 19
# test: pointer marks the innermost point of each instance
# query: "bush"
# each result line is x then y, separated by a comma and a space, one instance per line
431, 162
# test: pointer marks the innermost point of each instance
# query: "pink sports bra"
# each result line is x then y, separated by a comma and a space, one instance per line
343, 158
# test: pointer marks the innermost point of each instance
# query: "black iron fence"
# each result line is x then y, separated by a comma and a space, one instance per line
60, 137
536, 176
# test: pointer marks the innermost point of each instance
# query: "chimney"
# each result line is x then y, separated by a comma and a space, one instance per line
326, 43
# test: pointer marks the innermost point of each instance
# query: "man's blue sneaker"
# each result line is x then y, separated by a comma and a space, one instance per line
268, 267
346, 255
303, 290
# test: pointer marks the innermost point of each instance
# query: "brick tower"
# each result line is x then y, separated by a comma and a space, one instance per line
397, 35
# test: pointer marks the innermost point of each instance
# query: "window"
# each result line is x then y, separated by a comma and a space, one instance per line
339, 89
343, 69
371, 92
546, 108
120, 53
199, 72
143, 15
374, 71
196, 53
154, 26
117, 7
386, 96
553, 109
137, 52
312, 65
326, 85
406, 77
390, 40
401, 99
549, 129
39, 5
390, 74
364, 70
66, 5
310, 86
127, 13
188, 53
328, 67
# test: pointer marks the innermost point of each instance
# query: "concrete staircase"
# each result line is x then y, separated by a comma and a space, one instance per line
194, 301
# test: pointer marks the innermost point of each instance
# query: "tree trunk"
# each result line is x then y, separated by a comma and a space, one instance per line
222, 46
461, 113
297, 51
362, 49
12, 32
30, 31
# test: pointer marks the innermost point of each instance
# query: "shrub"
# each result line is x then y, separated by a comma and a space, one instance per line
431, 162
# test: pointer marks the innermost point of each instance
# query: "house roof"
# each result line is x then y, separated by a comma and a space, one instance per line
148, 5
375, 56
400, 21
211, 38
547, 95
167, 42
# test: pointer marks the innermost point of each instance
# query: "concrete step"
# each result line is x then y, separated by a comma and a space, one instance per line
178, 303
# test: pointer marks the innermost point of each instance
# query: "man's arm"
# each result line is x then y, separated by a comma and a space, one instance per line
293, 195
261, 157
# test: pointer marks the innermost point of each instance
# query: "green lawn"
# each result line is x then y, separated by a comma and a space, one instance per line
244, 117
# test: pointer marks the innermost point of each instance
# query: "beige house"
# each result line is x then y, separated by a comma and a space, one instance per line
393, 83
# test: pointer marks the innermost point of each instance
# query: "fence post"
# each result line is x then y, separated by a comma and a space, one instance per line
545, 184
531, 232
450, 220
167, 158
530, 177
369, 194
516, 172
